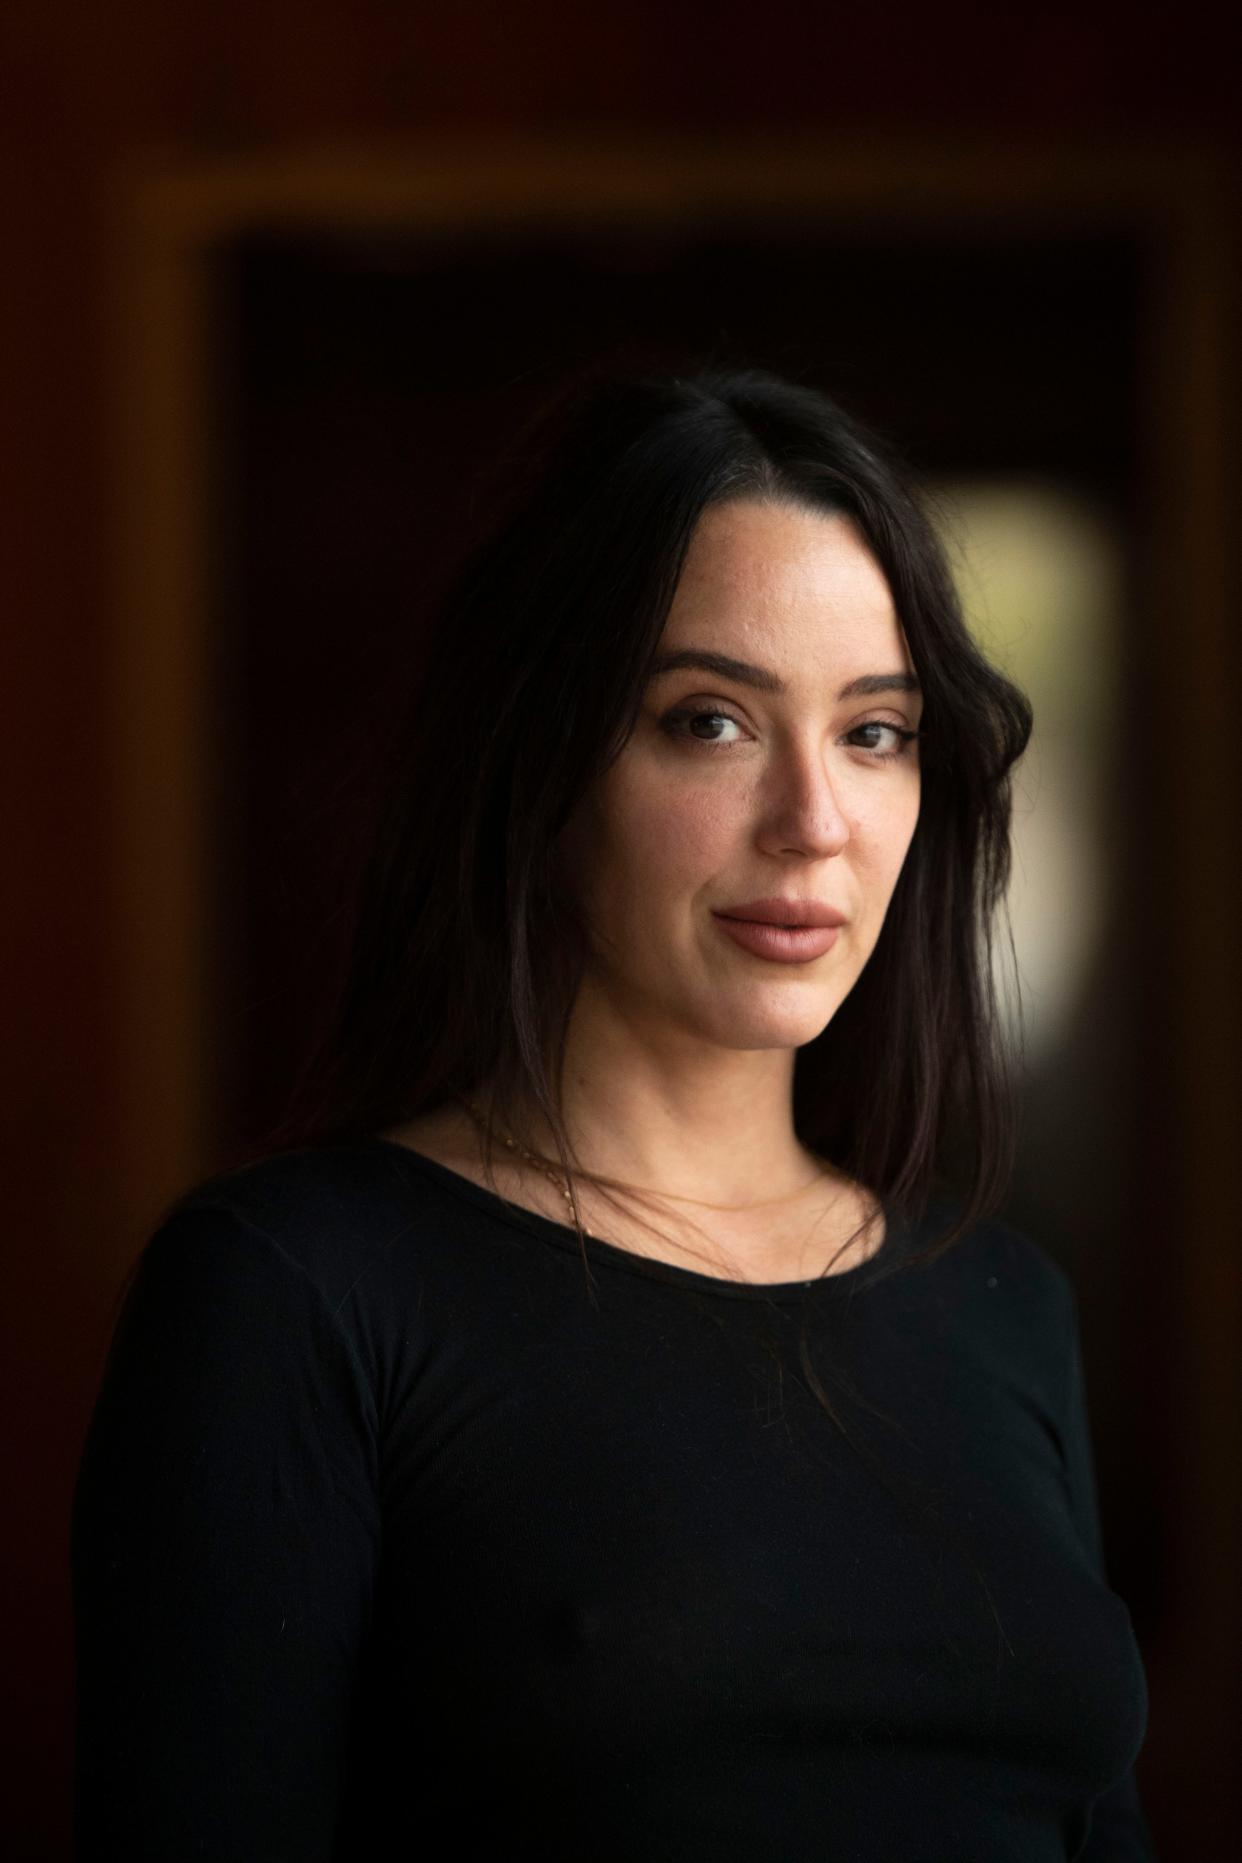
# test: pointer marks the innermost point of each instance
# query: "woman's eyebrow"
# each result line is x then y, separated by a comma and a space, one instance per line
703, 660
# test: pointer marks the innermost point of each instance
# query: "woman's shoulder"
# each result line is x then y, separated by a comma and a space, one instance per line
287, 1182
342, 1214
994, 1303
998, 1266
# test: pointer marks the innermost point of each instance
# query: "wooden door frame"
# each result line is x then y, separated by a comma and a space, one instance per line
165, 219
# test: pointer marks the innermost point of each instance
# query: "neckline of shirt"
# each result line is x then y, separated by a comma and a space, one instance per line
612, 1255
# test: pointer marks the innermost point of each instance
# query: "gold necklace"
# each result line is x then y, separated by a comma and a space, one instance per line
557, 1177
562, 1184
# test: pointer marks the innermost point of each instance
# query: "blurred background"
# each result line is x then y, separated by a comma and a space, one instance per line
284, 284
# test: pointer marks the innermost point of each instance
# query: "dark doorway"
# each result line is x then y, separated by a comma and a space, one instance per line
369, 394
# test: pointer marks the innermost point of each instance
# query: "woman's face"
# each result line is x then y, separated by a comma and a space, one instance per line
788, 781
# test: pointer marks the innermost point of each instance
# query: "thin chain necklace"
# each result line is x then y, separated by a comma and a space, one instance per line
561, 1183
557, 1177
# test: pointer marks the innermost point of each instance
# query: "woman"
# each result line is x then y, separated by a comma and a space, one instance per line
603, 1426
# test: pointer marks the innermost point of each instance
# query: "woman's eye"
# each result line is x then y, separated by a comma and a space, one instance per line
680, 723
899, 733
709, 728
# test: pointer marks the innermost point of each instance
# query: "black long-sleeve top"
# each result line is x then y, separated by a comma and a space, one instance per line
390, 1541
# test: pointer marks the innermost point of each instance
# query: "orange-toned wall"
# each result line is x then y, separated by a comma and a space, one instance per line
84, 86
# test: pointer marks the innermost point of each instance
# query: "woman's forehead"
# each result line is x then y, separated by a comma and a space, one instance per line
779, 559
786, 590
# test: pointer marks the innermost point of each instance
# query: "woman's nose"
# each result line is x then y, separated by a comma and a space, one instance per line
805, 813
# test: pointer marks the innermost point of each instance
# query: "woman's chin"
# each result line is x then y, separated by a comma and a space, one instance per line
750, 1026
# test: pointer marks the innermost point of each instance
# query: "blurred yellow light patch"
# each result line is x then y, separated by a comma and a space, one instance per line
1038, 568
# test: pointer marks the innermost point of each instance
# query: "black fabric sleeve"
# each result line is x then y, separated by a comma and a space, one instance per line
223, 1550
1119, 1830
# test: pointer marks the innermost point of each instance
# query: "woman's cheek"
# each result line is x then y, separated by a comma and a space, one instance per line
667, 828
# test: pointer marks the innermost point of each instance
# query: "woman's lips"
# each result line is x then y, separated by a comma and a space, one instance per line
783, 944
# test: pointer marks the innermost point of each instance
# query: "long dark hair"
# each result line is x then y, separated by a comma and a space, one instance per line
465, 952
